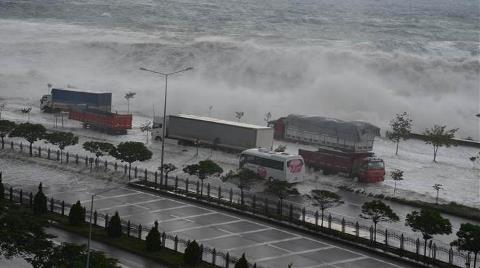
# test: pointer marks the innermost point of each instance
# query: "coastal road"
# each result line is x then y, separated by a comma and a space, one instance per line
265, 244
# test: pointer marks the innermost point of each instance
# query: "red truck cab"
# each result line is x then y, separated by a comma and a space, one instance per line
372, 169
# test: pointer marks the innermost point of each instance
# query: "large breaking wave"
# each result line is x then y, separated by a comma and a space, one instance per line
337, 79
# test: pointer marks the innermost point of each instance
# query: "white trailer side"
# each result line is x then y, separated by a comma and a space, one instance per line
221, 133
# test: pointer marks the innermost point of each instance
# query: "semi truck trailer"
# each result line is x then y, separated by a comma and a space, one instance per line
353, 136
214, 132
66, 100
361, 165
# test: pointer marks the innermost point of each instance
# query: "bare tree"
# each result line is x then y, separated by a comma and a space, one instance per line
146, 127
2, 108
437, 188
129, 95
397, 175
268, 117
438, 136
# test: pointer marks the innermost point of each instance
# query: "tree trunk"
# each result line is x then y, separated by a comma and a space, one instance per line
435, 150
322, 209
129, 170
425, 248
475, 260
31, 149
396, 151
3, 143
394, 188
375, 232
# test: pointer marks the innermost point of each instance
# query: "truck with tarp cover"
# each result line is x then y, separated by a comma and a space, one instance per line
343, 146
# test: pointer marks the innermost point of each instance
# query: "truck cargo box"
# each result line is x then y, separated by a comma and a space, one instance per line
68, 99
105, 121
353, 136
219, 133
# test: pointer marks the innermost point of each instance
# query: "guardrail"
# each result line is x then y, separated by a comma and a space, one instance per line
386, 240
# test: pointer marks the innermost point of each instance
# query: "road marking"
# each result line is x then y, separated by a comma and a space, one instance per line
233, 234
187, 217
166, 209
338, 262
294, 253
265, 243
209, 225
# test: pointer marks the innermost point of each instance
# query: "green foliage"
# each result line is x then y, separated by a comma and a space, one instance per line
397, 174
30, 132
468, 238
98, 148
192, 254
429, 222
401, 128
438, 137
22, 235
114, 228
40, 202
152, 241
203, 169
377, 211
242, 262
325, 199
5, 128
281, 189
74, 256
131, 151
243, 178
76, 216
167, 168
61, 139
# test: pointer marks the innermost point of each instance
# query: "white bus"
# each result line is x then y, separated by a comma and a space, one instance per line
273, 165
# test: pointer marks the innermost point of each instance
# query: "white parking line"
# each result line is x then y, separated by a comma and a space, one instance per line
208, 225
186, 217
293, 253
233, 234
338, 262
265, 243
167, 209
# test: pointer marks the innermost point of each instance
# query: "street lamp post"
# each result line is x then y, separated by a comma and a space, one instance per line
90, 222
164, 108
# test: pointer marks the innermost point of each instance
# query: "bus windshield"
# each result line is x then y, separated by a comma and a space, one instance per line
375, 165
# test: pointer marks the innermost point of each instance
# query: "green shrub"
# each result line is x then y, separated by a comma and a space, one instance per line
242, 262
192, 254
114, 228
152, 242
76, 216
40, 202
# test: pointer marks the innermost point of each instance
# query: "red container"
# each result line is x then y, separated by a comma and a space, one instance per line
364, 166
104, 121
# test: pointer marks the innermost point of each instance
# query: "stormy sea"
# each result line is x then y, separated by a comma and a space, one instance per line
353, 60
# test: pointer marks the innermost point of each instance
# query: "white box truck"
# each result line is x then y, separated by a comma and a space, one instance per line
214, 132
